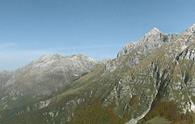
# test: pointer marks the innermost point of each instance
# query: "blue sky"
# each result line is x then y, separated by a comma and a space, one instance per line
98, 28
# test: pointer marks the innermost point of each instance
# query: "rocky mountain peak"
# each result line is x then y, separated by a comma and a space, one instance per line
58, 59
47, 60
152, 35
152, 39
50, 57
191, 29
81, 57
153, 31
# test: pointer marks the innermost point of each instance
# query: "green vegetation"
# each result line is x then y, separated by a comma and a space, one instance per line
158, 120
95, 113
170, 112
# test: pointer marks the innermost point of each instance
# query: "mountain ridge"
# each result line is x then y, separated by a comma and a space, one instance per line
148, 80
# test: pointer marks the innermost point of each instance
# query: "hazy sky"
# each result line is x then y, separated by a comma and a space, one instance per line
98, 28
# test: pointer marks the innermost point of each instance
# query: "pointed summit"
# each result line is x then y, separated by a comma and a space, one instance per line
154, 36
153, 31
191, 29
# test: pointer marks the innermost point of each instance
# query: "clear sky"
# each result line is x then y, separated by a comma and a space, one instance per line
98, 28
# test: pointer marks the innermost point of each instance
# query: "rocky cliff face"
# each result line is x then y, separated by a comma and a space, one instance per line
150, 81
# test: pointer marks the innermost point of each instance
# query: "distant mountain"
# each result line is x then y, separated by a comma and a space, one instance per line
49, 73
151, 81
41, 78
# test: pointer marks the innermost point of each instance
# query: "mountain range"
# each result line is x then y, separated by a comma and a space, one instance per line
151, 81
